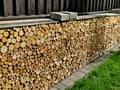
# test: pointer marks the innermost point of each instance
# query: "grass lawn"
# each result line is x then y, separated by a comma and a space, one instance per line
106, 77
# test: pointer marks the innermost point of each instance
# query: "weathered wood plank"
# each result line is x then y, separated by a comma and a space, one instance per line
48, 6
8, 7
56, 5
62, 3
31, 7
20, 7
40, 6
98, 5
79, 5
73, 5
110, 4
67, 5
84, 2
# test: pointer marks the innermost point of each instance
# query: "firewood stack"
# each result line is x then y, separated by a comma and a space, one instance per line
37, 57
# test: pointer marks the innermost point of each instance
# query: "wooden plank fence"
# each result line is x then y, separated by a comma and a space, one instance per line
38, 7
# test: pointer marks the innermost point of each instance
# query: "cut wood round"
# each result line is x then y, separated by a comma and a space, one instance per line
15, 34
11, 32
4, 49
6, 34
29, 53
17, 29
38, 33
34, 41
9, 40
21, 33
1, 31
9, 59
17, 45
4, 58
29, 43
27, 34
23, 44
11, 36
1, 36
11, 47
18, 39
4, 39
23, 38
13, 40
1, 44
29, 29
31, 34
42, 40
14, 57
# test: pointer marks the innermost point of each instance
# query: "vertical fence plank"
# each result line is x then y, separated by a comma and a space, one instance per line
31, 7
40, 7
104, 5
117, 3
1, 8
110, 4
84, 2
48, 7
20, 7
107, 4
94, 5
88, 5
67, 5
79, 5
62, 3
114, 3
8, 7
97, 5
91, 6
73, 5
56, 5
101, 5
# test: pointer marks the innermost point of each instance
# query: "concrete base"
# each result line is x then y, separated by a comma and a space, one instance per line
73, 15
115, 11
64, 15
59, 16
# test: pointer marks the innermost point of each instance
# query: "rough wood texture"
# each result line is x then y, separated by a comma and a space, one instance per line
37, 57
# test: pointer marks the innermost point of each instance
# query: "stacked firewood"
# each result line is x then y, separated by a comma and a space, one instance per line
37, 57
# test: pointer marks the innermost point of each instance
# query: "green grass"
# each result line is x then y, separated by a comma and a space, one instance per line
106, 77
